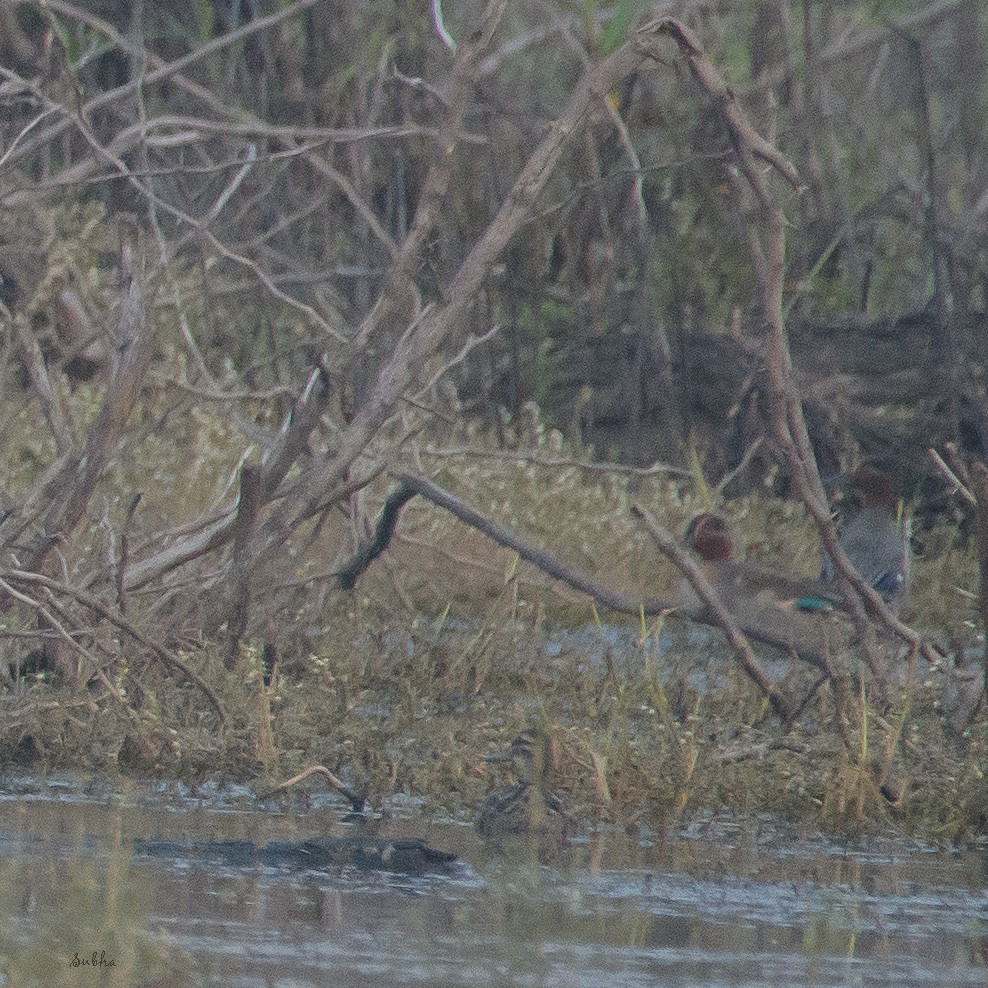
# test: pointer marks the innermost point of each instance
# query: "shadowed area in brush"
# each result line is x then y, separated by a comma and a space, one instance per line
407, 857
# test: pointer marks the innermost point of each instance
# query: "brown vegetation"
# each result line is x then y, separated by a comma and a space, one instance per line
304, 295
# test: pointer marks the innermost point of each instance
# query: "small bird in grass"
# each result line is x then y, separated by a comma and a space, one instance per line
529, 806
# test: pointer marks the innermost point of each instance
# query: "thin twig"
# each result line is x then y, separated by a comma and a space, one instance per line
720, 614
358, 802
553, 462
959, 487
125, 551
87, 600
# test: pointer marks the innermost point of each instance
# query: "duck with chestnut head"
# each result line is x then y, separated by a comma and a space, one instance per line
876, 540
739, 585
760, 598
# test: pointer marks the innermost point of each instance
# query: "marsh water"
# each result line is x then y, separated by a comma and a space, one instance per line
721, 902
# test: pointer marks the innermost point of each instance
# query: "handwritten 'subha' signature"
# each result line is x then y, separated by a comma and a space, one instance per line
97, 958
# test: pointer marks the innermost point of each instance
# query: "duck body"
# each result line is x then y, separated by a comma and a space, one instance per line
759, 598
877, 549
739, 585
876, 540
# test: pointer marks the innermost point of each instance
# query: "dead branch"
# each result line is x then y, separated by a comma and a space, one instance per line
321, 482
713, 613
718, 612
457, 93
16, 577
403, 371
124, 555
748, 143
766, 240
979, 480
77, 480
51, 401
545, 561
953, 477
554, 462
215, 532
924, 19
356, 801
776, 636
160, 70
384, 530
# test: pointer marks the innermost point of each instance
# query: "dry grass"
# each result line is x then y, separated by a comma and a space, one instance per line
449, 648
405, 704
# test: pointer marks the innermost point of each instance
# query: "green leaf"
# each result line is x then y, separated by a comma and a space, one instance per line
65, 38
205, 19
625, 13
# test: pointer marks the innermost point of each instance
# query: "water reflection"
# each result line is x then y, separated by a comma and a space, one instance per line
717, 904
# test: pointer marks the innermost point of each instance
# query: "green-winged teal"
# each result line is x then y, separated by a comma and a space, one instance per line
741, 586
760, 598
529, 806
876, 539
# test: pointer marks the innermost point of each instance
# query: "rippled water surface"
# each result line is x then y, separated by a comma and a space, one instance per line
720, 903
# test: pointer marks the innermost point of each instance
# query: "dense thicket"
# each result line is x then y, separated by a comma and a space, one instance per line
255, 257
632, 256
